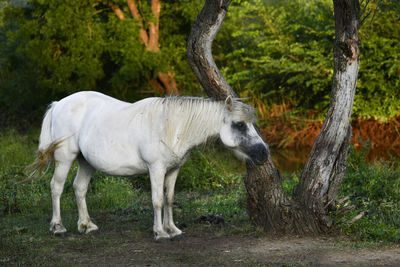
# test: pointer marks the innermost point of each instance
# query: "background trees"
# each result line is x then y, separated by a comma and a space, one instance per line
276, 51
53, 48
271, 51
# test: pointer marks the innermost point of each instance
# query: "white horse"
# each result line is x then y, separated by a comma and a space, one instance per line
154, 135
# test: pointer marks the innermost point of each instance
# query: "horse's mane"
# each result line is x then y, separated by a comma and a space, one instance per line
190, 121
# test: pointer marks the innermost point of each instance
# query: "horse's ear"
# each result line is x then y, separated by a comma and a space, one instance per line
229, 103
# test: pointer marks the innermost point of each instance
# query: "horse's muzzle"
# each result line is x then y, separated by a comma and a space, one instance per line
258, 153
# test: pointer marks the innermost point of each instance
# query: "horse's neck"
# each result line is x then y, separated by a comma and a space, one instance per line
194, 127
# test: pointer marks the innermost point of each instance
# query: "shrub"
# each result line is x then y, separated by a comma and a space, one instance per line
107, 192
374, 190
207, 169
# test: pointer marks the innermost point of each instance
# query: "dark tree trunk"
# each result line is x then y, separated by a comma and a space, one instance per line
199, 44
269, 208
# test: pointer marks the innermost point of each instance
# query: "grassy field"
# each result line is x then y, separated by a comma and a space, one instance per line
210, 207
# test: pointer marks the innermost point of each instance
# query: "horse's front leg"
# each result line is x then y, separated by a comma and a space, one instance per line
169, 184
157, 175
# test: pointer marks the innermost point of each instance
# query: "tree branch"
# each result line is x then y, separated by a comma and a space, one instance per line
117, 10
365, 7
369, 26
199, 49
136, 15
154, 26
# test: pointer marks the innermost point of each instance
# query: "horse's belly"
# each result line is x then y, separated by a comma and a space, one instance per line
114, 163
119, 168
125, 171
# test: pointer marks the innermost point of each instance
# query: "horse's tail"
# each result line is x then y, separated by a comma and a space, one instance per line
45, 133
46, 147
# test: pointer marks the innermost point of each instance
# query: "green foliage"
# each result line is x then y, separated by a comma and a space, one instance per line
374, 190
206, 170
110, 192
270, 51
127, 63
14, 156
54, 48
176, 20
290, 183
281, 51
228, 204
378, 93
48, 50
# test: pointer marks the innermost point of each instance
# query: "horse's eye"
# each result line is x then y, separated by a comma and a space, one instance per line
240, 125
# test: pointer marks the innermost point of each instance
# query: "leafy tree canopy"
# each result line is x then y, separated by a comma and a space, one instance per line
54, 48
281, 51
270, 51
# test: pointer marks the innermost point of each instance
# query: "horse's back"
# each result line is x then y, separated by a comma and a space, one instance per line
80, 103
71, 112
108, 132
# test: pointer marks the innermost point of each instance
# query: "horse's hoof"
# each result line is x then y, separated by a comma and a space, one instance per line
91, 228
161, 237
87, 227
58, 229
173, 231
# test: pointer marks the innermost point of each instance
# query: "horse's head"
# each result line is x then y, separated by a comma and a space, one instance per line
238, 132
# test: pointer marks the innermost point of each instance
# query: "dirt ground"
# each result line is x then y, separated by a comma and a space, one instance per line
208, 249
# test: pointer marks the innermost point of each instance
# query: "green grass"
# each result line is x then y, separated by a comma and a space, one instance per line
374, 190
208, 185
371, 189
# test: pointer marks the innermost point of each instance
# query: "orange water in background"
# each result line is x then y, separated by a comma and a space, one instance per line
291, 139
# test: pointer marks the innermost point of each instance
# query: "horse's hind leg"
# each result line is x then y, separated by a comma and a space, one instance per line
62, 166
81, 183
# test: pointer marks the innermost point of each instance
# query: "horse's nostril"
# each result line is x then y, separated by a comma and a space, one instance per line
266, 152
263, 150
261, 153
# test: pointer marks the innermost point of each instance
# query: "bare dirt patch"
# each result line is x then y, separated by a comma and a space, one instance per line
210, 249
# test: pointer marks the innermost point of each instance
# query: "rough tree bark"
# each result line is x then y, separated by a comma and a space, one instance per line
199, 45
166, 81
307, 212
136, 15
326, 164
153, 26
